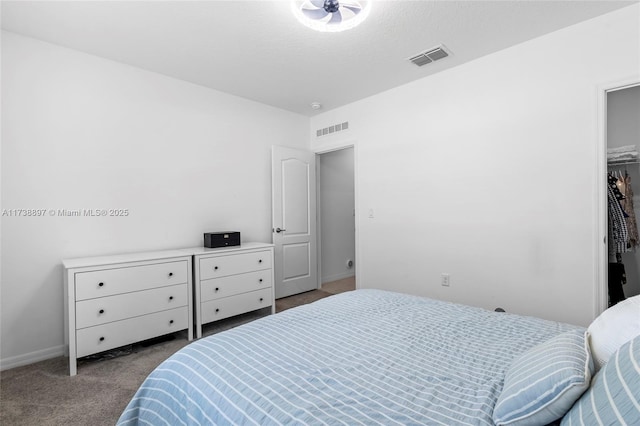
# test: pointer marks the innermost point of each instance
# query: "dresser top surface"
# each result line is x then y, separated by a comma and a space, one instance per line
84, 262
244, 246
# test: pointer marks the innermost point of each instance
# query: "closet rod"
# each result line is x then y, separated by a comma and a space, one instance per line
623, 163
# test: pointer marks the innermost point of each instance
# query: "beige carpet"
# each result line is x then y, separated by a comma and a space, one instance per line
43, 394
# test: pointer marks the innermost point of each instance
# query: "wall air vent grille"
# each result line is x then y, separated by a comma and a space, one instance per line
332, 129
429, 56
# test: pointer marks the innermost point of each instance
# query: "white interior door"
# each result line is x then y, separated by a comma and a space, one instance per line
294, 220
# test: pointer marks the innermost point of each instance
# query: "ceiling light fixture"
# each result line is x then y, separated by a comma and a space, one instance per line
331, 15
316, 105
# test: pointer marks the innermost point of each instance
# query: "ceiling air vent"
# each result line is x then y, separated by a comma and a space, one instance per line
429, 56
332, 129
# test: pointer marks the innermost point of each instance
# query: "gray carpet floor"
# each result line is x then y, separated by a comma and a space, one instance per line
43, 393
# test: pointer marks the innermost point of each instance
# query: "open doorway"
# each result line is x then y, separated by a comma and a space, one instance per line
302, 190
623, 173
336, 220
314, 231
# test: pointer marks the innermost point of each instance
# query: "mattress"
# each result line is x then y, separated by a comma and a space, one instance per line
361, 357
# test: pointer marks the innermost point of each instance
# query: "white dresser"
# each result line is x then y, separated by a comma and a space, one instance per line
112, 301
232, 280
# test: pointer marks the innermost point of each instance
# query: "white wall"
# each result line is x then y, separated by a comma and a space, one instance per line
623, 128
80, 132
337, 222
487, 172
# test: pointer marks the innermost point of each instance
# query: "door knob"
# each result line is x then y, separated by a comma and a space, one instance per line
278, 230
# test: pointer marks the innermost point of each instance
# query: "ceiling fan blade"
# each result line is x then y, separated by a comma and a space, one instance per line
336, 18
345, 3
317, 3
354, 9
314, 13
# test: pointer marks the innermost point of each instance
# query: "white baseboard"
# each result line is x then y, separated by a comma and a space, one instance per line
31, 357
337, 277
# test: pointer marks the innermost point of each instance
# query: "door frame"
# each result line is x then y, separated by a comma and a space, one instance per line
350, 143
601, 265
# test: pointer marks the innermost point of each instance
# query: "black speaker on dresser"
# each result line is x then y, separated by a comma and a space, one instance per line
221, 239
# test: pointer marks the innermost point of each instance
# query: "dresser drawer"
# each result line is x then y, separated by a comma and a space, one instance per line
235, 284
93, 312
218, 309
112, 335
108, 282
220, 266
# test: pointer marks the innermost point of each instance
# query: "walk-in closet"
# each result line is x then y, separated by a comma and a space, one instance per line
623, 192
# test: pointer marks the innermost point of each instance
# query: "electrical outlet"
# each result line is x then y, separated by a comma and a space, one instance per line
444, 280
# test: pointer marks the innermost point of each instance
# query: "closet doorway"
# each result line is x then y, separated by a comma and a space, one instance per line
622, 142
336, 218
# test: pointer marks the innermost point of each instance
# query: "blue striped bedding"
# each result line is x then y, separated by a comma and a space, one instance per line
361, 357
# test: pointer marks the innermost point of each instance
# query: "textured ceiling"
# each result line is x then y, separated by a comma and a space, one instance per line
257, 50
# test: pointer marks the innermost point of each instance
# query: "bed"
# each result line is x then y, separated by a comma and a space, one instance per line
366, 357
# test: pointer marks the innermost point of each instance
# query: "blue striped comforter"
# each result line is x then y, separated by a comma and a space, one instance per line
362, 357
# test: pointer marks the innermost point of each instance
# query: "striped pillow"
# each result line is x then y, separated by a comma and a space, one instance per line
542, 384
614, 395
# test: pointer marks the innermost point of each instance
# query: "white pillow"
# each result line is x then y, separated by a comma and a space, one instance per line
613, 328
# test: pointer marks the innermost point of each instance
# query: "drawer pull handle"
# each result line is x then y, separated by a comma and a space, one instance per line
171, 322
170, 274
170, 297
101, 311
100, 284
260, 280
260, 261
261, 299
101, 339
215, 268
217, 310
217, 288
